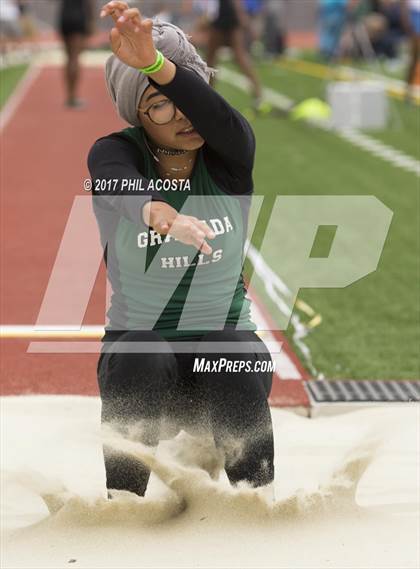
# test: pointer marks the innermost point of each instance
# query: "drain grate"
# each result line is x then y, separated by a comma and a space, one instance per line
359, 391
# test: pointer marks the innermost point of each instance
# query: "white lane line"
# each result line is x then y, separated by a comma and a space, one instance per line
32, 331
281, 296
238, 80
381, 150
393, 85
47, 58
285, 367
360, 140
17, 96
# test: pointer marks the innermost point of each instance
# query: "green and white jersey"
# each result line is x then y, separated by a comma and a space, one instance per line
159, 283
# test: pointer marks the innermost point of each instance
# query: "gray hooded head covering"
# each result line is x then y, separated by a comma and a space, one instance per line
126, 85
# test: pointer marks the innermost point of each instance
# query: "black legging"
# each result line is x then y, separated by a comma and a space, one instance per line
159, 389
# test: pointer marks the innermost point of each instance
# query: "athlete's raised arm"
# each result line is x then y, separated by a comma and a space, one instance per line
223, 128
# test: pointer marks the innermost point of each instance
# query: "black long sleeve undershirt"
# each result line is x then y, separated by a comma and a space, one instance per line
223, 128
228, 151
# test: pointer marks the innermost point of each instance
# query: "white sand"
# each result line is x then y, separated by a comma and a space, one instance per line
347, 495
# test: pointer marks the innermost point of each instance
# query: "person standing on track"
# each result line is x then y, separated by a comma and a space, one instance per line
227, 27
75, 25
191, 239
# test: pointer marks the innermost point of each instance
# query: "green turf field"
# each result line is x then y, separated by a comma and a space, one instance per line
392, 69
9, 78
404, 126
370, 329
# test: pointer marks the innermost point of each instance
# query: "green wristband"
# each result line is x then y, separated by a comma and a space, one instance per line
156, 66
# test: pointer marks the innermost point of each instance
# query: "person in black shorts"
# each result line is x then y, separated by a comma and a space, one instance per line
75, 25
177, 259
227, 29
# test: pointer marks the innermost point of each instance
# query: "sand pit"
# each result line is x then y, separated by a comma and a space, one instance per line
346, 495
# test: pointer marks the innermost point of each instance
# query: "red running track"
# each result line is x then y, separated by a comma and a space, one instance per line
44, 150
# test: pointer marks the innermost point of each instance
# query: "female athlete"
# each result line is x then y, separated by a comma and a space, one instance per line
180, 350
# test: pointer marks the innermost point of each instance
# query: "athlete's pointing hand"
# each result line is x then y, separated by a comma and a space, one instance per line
188, 229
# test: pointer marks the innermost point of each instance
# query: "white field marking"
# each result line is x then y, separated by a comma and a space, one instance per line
393, 85
36, 62
355, 137
17, 96
15, 57
56, 57
97, 331
238, 80
285, 367
33, 331
94, 332
279, 293
381, 150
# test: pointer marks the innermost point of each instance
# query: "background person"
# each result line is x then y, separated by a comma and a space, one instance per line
28, 26
10, 28
254, 21
275, 28
332, 20
227, 29
75, 25
387, 43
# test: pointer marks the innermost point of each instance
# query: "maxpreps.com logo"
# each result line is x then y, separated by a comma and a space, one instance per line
152, 238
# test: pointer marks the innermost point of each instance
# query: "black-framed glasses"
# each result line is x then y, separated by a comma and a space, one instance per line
161, 113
